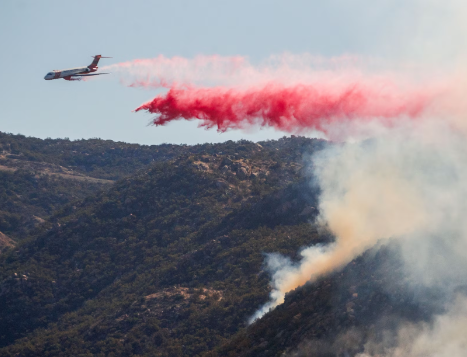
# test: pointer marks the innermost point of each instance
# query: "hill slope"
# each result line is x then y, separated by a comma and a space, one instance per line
166, 262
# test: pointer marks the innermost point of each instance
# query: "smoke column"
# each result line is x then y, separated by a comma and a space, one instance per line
405, 184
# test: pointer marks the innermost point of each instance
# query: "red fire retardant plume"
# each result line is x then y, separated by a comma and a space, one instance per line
288, 108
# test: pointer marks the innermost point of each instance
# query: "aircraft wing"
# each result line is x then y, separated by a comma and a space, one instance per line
87, 75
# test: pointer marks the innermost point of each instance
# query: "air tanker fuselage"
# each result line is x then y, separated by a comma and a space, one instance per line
77, 72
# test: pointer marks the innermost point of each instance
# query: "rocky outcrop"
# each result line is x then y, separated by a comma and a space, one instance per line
242, 173
5, 242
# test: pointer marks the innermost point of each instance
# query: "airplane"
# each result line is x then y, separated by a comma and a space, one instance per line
75, 74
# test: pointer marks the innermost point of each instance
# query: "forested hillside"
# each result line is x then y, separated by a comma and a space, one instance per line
96, 158
28, 199
39, 176
168, 261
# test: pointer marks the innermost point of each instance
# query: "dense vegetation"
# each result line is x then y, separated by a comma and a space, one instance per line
39, 176
94, 157
112, 160
165, 262
27, 199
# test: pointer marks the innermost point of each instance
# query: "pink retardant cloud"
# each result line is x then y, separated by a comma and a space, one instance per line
292, 108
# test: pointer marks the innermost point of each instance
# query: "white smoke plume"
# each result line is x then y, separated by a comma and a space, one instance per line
445, 337
407, 183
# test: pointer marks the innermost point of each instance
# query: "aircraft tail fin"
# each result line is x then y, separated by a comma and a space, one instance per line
96, 61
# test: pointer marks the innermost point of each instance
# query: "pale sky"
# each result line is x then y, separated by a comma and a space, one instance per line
39, 36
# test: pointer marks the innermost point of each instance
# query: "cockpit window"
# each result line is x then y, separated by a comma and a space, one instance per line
49, 73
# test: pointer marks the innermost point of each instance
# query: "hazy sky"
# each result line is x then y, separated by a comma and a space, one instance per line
38, 36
